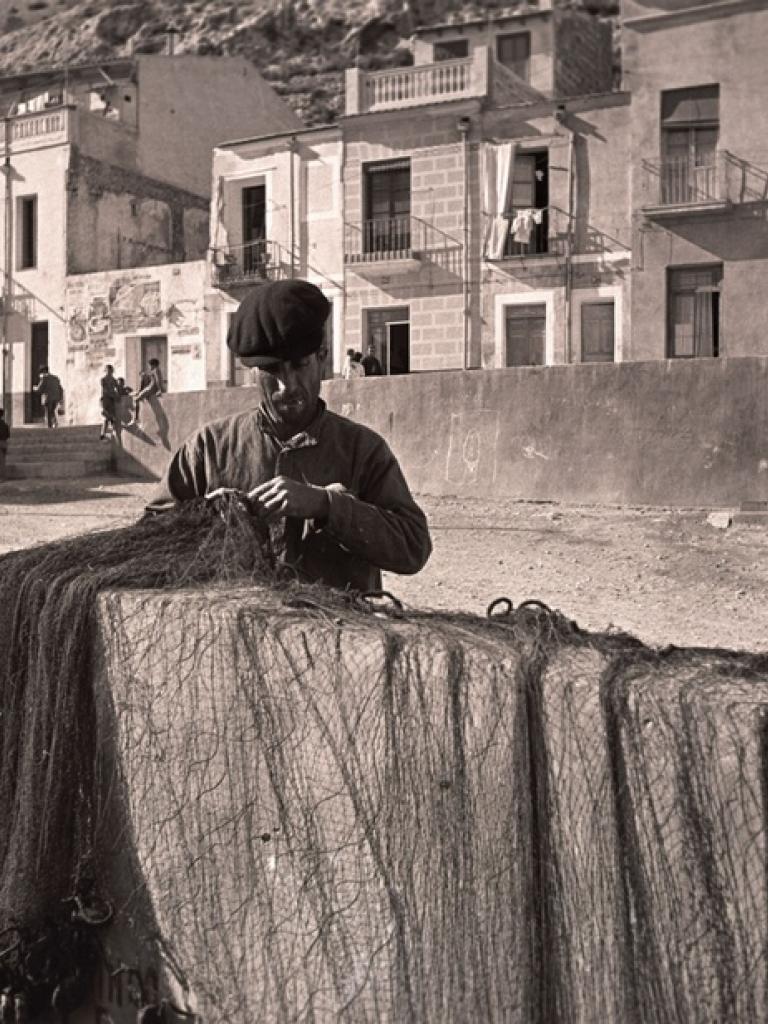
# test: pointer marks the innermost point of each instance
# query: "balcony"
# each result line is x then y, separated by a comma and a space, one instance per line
544, 234
400, 88
387, 246
261, 260
680, 185
46, 128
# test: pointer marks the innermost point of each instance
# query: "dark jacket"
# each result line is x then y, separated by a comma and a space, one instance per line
373, 521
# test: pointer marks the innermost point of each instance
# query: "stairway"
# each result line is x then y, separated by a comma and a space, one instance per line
62, 453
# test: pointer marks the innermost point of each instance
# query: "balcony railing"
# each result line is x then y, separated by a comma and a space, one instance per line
675, 183
392, 239
414, 86
260, 260
31, 131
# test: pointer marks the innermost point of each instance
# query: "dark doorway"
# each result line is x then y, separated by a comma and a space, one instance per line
254, 228
399, 345
155, 347
38, 359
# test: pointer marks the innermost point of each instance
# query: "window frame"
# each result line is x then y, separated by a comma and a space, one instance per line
715, 287
525, 62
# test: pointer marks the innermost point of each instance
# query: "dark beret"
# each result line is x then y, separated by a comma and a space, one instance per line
279, 321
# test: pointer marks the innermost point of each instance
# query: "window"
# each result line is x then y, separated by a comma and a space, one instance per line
27, 214
597, 332
525, 329
514, 52
689, 135
387, 224
529, 217
451, 49
254, 229
693, 312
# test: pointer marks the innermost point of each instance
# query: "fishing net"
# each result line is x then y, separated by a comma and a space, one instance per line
233, 797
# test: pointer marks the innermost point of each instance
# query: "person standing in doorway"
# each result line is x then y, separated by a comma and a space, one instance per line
150, 386
371, 363
51, 395
5, 435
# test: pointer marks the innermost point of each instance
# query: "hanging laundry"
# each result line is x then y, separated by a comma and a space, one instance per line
522, 226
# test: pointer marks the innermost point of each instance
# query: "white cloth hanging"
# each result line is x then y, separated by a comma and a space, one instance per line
499, 162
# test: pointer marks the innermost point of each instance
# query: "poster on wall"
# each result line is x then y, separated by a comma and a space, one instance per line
135, 305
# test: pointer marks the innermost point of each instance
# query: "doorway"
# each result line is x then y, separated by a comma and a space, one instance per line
399, 347
38, 359
155, 346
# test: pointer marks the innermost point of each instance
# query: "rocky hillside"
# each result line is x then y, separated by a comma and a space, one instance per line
300, 46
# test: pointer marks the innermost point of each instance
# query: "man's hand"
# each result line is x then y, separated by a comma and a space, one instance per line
282, 497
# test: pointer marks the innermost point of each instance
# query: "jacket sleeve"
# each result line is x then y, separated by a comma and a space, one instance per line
184, 479
383, 524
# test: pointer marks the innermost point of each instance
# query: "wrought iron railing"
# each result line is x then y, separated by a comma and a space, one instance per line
393, 238
259, 260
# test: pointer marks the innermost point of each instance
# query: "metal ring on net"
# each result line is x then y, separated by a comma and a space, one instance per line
491, 613
368, 597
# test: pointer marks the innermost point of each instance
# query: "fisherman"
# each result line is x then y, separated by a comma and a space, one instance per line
334, 487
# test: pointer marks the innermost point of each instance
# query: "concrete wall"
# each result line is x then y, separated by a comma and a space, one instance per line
663, 433
109, 313
678, 53
189, 104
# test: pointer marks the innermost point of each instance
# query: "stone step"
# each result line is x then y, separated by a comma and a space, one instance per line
57, 435
60, 469
43, 452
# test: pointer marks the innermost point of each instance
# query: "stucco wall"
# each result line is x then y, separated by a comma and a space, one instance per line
189, 104
315, 233
729, 51
664, 433
118, 219
39, 290
540, 25
107, 315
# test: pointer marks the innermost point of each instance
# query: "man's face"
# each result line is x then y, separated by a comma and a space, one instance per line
291, 390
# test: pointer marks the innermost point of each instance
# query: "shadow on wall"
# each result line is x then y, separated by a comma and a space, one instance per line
156, 427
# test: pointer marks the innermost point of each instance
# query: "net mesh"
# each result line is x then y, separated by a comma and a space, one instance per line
246, 799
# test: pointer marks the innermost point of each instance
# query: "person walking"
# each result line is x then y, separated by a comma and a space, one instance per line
340, 506
110, 391
5, 436
51, 395
150, 386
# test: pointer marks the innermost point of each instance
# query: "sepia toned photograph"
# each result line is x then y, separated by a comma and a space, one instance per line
384, 512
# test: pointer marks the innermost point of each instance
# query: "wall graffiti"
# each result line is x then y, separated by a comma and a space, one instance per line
135, 305
472, 446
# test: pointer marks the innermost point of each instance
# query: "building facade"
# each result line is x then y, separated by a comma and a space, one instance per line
107, 168
698, 78
482, 219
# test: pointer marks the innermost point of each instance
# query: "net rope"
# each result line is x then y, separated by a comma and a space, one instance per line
238, 797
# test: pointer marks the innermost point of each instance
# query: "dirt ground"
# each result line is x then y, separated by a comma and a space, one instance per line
667, 576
